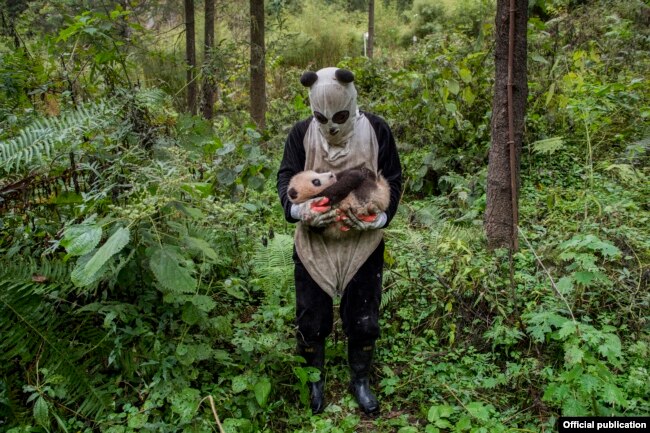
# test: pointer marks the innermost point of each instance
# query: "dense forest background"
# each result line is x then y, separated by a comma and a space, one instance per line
146, 280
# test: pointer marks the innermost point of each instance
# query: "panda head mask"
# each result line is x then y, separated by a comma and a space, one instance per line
333, 100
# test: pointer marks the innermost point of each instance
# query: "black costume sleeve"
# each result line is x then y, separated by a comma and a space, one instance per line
293, 161
388, 164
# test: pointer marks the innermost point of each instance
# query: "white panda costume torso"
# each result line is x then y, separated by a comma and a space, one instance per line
330, 146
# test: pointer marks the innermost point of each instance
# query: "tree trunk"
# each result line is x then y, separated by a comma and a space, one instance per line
208, 74
501, 211
371, 27
258, 80
190, 56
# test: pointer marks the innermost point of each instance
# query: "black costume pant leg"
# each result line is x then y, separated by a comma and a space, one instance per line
314, 307
359, 304
360, 315
362, 298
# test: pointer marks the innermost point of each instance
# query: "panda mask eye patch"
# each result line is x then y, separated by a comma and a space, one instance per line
339, 117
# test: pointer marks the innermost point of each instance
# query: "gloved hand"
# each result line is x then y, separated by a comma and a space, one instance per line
314, 212
371, 221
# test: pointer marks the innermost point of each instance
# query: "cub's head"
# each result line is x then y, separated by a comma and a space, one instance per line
308, 184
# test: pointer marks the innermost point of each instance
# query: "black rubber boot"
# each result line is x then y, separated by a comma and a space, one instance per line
314, 354
360, 359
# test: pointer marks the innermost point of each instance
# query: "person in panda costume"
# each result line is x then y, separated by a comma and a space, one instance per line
335, 138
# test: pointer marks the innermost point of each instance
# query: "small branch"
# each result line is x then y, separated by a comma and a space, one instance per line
214, 411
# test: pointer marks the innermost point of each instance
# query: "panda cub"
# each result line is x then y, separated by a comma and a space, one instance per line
356, 188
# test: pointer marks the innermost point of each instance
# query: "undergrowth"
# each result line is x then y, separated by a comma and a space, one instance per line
146, 271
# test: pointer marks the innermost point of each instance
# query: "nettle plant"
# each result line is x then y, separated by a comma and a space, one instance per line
593, 374
166, 222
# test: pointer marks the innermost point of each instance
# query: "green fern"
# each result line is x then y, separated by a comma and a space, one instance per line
274, 263
50, 134
40, 329
389, 296
548, 146
152, 98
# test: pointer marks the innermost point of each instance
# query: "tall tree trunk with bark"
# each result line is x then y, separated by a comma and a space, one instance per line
501, 211
371, 27
258, 80
208, 74
190, 56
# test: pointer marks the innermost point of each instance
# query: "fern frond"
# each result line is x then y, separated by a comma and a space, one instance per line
45, 135
388, 297
548, 146
38, 325
152, 98
273, 264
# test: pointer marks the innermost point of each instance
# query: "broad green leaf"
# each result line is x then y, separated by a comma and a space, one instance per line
203, 302
198, 189
237, 425
349, 423
262, 391
468, 96
41, 412
439, 411
191, 314
202, 351
198, 245
408, 429
81, 263
565, 285
192, 212
171, 276
453, 86
234, 289
479, 410
85, 273
226, 176
538, 58
451, 107
226, 149
256, 182
184, 403
181, 349
464, 423
550, 94
81, 239
301, 374
465, 75
555, 392
584, 277
239, 384
137, 420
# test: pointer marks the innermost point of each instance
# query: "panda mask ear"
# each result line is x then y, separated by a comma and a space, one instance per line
344, 76
308, 78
